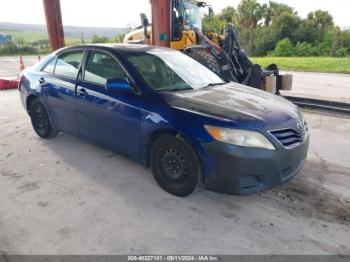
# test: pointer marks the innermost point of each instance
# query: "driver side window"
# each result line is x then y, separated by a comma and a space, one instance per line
102, 67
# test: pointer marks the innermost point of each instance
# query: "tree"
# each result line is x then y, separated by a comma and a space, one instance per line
229, 15
271, 11
306, 33
249, 14
99, 39
118, 39
213, 24
42, 43
284, 48
320, 19
286, 24
304, 49
265, 40
8, 48
20, 41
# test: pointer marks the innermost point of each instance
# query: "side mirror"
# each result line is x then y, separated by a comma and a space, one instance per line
119, 86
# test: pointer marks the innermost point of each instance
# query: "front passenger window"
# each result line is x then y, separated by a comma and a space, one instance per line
68, 64
102, 67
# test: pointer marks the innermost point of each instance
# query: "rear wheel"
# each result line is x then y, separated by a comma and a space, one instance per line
40, 120
175, 165
206, 59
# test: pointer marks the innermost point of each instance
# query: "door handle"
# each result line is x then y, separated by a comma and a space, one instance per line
82, 92
41, 80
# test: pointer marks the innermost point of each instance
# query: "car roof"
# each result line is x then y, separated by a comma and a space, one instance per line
120, 48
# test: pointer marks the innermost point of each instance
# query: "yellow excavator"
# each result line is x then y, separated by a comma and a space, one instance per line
178, 24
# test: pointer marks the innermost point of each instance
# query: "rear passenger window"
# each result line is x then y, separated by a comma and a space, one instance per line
102, 67
68, 64
50, 67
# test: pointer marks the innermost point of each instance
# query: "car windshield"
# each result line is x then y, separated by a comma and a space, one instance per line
172, 71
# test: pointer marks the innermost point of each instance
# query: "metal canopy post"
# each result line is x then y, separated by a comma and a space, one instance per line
161, 22
54, 23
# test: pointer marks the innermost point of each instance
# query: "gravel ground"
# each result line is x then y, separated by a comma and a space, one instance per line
67, 196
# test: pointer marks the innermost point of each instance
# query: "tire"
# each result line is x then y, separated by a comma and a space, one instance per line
40, 120
175, 165
206, 59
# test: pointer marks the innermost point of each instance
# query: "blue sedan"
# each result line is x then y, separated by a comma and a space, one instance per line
164, 109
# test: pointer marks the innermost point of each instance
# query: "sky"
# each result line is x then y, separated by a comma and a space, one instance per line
122, 13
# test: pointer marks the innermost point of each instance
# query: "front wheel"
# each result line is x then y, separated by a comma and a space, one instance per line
40, 120
175, 165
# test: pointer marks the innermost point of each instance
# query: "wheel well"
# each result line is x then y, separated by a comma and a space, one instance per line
30, 99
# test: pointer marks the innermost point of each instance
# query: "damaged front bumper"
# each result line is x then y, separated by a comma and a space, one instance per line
242, 170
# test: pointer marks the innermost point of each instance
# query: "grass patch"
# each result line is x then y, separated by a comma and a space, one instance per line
308, 64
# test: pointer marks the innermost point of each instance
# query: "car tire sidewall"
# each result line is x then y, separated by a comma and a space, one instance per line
191, 158
48, 132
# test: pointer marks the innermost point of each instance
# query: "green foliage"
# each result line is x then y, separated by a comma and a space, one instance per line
117, 39
284, 48
229, 15
304, 49
342, 52
12, 49
8, 48
213, 24
99, 39
273, 10
249, 13
265, 40
320, 19
286, 24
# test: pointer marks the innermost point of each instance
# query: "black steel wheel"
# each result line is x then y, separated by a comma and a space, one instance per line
175, 165
40, 120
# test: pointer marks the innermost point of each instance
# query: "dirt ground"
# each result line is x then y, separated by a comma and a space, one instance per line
67, 196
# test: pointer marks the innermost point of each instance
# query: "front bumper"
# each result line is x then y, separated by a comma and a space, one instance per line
241, 170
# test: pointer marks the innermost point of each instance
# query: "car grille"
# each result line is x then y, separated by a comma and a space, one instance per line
290, 137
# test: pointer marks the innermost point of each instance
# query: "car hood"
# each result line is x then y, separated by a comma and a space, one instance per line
235, 102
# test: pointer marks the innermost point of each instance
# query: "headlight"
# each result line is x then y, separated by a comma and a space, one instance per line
239, 137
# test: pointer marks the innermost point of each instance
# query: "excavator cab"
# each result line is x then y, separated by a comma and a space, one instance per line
185, 22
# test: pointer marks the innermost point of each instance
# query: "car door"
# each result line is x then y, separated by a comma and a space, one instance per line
109, 119
60, 88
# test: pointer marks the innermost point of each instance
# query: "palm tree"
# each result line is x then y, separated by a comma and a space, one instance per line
249, 14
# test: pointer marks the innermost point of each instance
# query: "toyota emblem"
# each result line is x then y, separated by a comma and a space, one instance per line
300, 125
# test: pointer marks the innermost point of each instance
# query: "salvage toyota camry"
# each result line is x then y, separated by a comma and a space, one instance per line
164, 109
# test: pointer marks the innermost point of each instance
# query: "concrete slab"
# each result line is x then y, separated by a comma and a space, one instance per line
333, 87
67, 196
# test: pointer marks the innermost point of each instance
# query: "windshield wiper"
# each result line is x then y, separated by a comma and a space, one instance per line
215, 84
175, 89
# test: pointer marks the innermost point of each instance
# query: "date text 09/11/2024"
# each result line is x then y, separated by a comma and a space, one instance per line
173, 258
